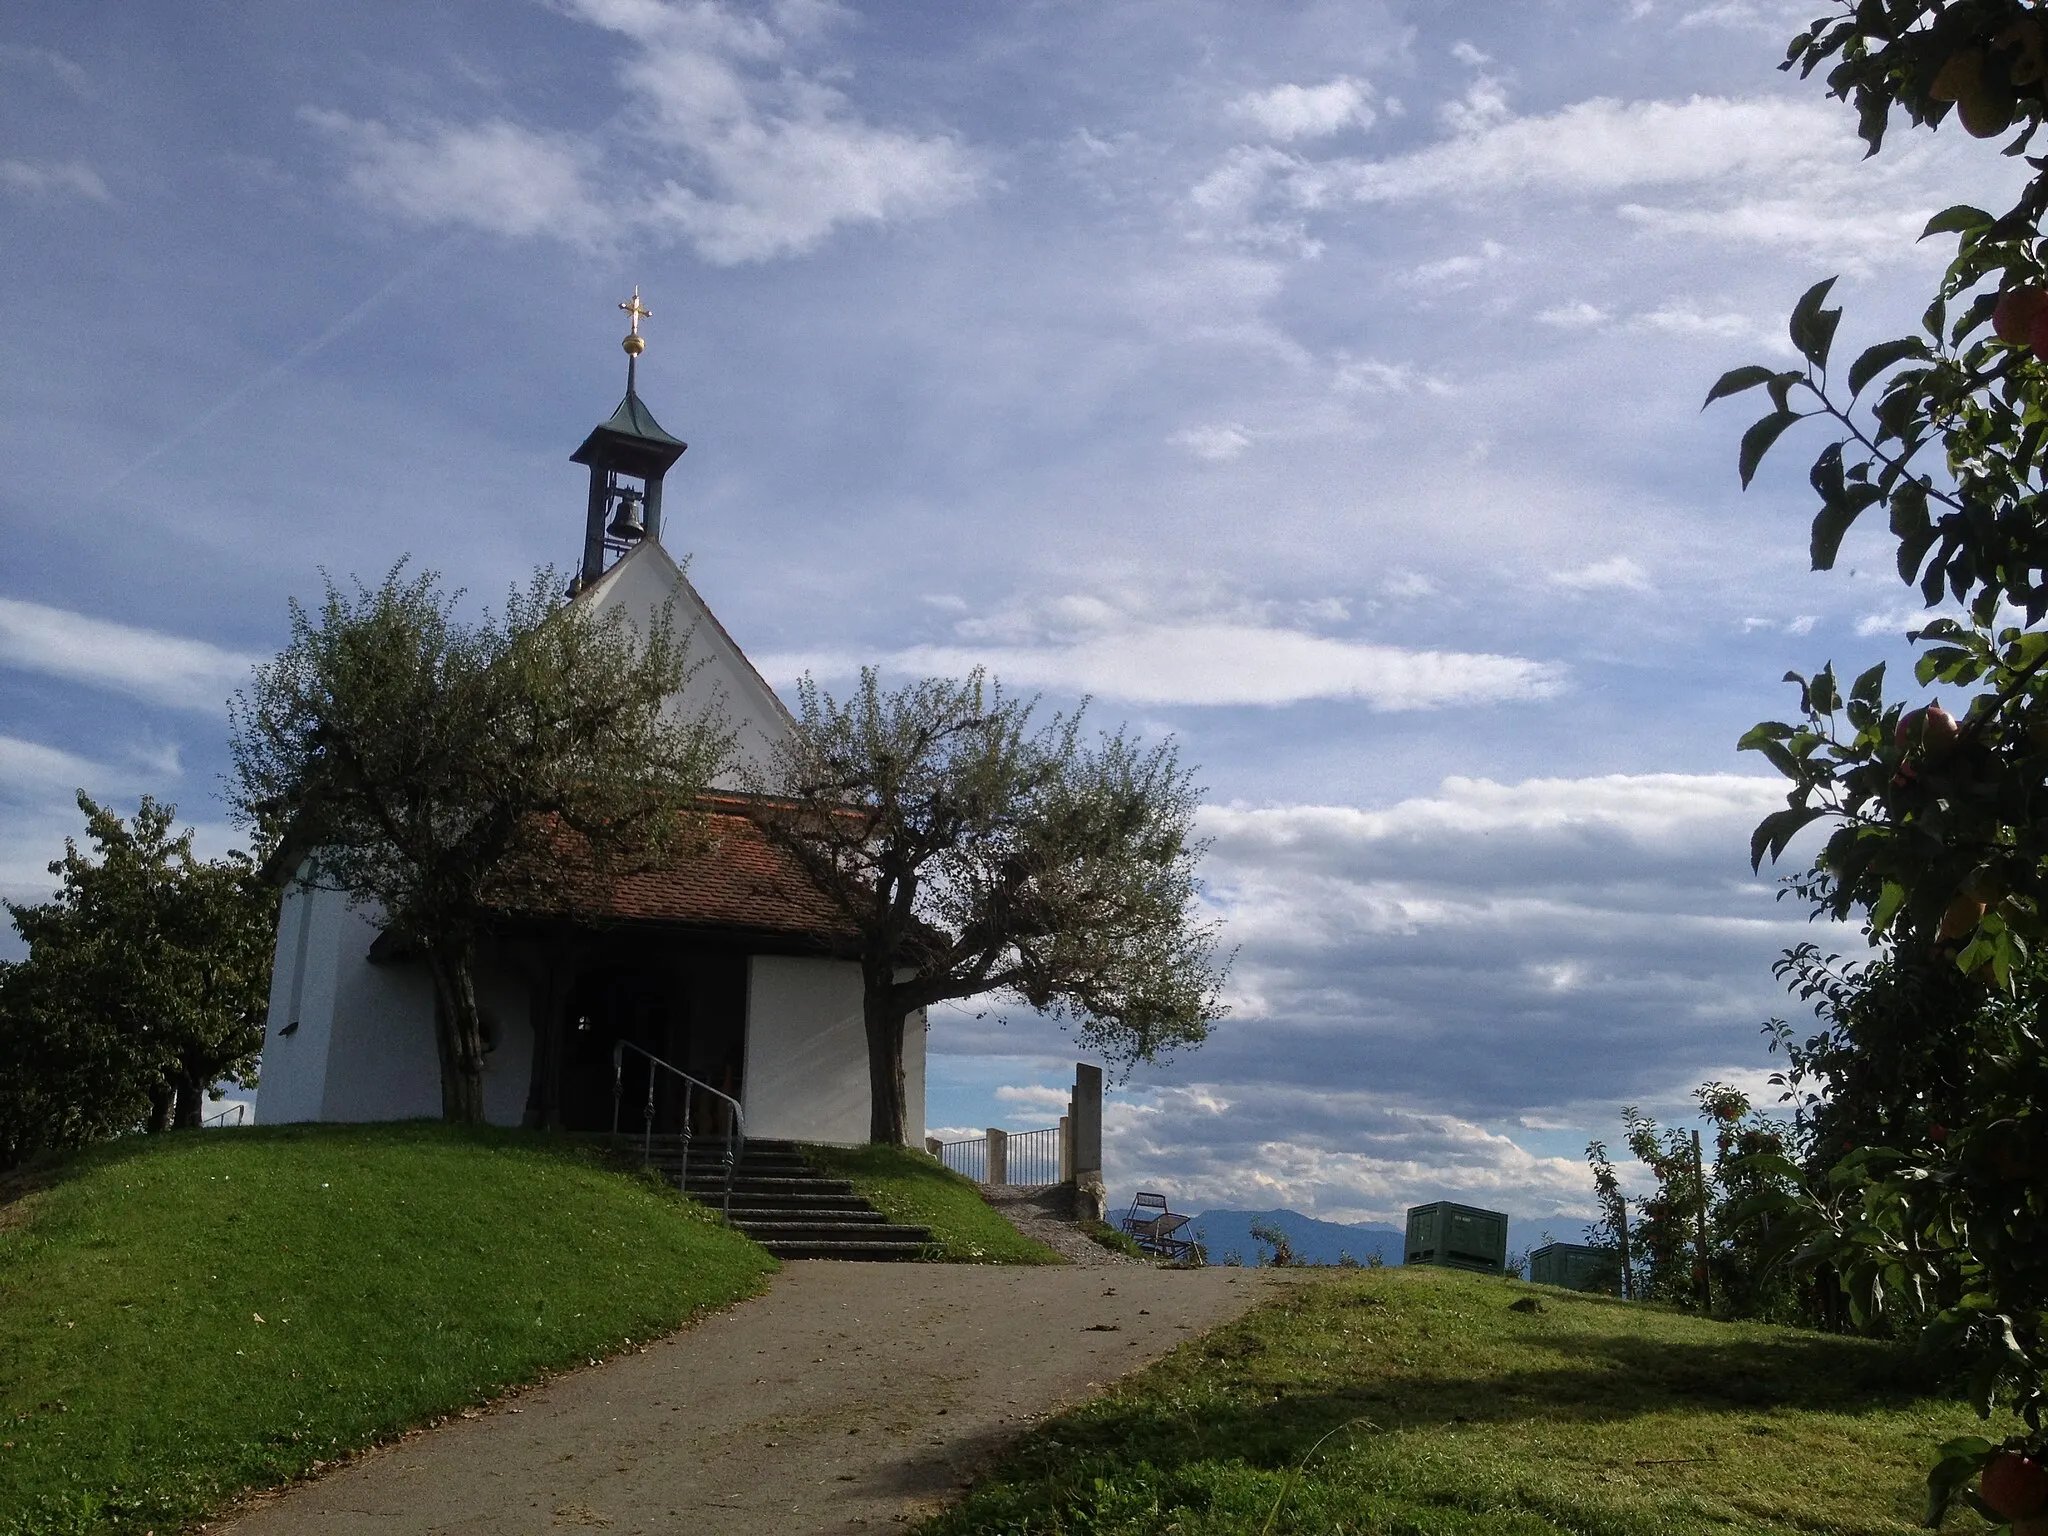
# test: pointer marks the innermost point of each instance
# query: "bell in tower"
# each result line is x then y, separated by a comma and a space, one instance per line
627, 456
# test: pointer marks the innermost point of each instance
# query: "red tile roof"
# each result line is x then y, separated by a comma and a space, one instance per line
727, 877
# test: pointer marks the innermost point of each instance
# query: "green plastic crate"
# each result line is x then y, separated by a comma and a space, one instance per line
1576, 1267
1459, 1236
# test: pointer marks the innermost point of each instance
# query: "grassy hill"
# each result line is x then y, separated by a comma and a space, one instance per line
182, 1317
1417, 1401
915, 1188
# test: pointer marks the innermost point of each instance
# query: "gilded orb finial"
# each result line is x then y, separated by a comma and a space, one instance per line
635, 343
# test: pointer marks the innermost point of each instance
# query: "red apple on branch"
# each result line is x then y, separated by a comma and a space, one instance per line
2015, 1487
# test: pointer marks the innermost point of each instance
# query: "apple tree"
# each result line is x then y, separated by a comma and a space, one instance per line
978, 852
433, 765
1935, 820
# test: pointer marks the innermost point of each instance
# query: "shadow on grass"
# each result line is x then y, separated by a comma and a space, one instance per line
1252, 1406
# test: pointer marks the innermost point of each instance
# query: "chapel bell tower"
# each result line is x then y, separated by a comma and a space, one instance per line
627, 456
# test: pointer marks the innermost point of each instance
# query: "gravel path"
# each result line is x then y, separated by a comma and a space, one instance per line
849, 1398
1045, 1211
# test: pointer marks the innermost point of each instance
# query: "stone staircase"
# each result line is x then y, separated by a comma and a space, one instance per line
788, 1207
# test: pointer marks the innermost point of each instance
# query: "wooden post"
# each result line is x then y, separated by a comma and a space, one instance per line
997, 1170
1067, 1148
1627, 1280
1699, 1174
1090, 1195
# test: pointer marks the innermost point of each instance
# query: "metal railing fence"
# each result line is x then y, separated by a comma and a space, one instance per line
734, 1139
1034, 1156
240, 1113
1015, 1157
966, 1157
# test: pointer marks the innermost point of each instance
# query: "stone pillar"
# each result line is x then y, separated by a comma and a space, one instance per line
1067, 1146
997, 1169
933, 1145
1091, 1196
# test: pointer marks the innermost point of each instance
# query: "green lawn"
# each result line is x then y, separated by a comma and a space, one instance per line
182, 1317
917, 1189
1414, 1401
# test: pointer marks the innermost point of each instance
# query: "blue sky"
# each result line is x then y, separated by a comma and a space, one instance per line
1317, 383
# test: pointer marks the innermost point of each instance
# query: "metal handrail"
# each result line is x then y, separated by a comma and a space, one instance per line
239, 1111
736, 1127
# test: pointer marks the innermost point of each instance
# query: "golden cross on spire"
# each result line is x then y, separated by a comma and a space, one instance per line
635, 343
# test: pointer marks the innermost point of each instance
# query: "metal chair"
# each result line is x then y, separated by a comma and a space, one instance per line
1157, 1233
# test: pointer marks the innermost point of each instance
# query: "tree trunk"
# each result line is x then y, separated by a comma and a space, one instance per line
458, 1033
191, 1095
162, 1099
884, 1018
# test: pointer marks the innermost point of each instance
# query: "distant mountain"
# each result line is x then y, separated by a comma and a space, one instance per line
1325, 1242
1223, 1233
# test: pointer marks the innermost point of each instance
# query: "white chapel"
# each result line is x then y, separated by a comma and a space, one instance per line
728, 966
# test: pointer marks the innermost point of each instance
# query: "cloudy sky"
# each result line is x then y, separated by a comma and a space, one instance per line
1318, 383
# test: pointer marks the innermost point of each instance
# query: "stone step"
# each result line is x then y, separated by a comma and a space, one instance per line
771, 1232
803, 1201
870, 1251
714, 1157
756, 1215
706, 1182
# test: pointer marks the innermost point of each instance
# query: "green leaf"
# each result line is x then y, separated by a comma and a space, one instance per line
1778, 829
1869, 687
1832, 522
1981, 309
1754, 738
1756, 442
1887, 906
1958, 220
1874, 360
1823, 693
1735, 381
1960, 1461
1813, 328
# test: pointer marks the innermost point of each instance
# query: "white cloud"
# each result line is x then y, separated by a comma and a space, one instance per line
1654, 808
1619, 573
1682, 320
493, 176
48, 60
725, 144
1334, 1154
1218, 443
1034, 1096
1221, 663
27, 766
1893, 621
1370, 376
1827, 223
154, 667
1576, 316
1460, 271
1602, 146
74, 176
1289, 112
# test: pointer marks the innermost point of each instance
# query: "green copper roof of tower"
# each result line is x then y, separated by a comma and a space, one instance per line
632, 441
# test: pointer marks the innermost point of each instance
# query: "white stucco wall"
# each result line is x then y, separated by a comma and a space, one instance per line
364, 1046
640, 583
301, 992
807, 1054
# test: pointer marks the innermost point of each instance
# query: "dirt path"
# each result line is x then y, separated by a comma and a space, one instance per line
1045, 1211
850, 1398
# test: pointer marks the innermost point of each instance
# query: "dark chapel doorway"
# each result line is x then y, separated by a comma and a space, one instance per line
687, 1008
